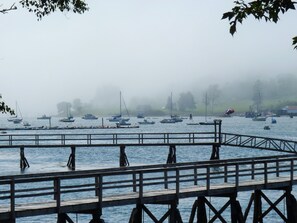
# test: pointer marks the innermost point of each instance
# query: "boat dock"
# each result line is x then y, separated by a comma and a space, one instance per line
90, 191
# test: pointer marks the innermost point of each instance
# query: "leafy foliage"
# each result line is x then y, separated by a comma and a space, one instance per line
42, 8
268, 10
4, 108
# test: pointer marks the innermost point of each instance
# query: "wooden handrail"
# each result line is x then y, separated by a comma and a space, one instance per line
114, 182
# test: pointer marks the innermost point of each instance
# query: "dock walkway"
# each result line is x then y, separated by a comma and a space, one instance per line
86, 191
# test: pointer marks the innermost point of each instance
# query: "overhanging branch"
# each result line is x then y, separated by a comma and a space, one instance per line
4, 11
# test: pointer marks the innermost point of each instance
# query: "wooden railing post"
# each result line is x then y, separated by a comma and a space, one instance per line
225, 173
100, 192
277, 167
207, 178
195, 176
165, 178
253, 169
140, 186
57, 193
12, 200
177, 183
134, 182
265, 173
237, 175
292, 171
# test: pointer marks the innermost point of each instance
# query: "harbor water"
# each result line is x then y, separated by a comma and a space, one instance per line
55, 159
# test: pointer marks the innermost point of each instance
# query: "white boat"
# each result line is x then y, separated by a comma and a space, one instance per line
122, 123
44, 117
167, 120
26, 124
206, 115
89, 117
173, 118
16, 119
259, 118
67, 119
118, 118
176, 118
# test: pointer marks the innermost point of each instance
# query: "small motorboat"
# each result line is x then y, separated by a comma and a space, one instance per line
167, 120
266, 127
146, 122
44, 117
259, 118
89, 117
68, 119
122, 122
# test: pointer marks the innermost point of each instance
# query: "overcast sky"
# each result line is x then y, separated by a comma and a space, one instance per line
143, 48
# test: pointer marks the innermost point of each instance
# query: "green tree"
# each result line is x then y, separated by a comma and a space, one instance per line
267, 10
42, 8
4, 108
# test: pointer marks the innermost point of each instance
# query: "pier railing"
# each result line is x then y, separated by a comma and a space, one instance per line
147, 139
107, 139
38, 194
258, 142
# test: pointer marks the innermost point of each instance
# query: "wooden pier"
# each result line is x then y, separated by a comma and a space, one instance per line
91, 191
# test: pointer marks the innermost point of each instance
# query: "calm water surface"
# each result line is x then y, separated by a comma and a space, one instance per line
55, 159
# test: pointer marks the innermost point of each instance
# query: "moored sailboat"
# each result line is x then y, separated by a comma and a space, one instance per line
118, 118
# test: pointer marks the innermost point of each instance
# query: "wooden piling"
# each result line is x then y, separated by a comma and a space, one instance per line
257, 207
123, 157
136, 214
215, 155
23, 161
64, 218
71, 160
291, 207
171, 154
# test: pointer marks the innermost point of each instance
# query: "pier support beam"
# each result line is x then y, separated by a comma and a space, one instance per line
123, 157
258, 216
171, 154
23, 161
291, 207
64, 218
201, 217
71, 160
136, 215
173, 214
96, 218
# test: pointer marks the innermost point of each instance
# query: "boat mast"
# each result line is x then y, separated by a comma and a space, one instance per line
120, 103
171, 105
206, 102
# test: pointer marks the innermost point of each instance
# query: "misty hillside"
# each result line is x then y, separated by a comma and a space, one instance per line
274, 94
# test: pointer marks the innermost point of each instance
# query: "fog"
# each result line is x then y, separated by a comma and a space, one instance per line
145, 49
